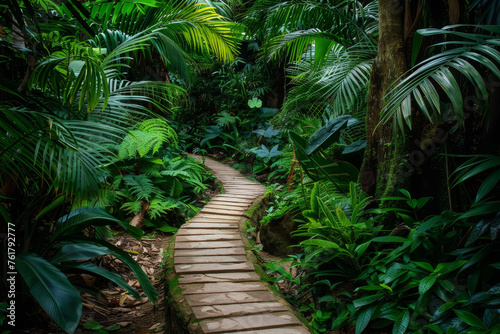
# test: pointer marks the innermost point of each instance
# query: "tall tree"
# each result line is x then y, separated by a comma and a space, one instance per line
380, 173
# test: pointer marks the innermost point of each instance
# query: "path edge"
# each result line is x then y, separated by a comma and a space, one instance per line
179, 316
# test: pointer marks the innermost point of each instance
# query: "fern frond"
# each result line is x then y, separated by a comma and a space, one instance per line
140, 186
132, 207
157, 207
149, 138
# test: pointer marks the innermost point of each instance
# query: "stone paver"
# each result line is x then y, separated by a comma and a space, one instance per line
266, 320
230, 298
249, 276
210, 259
214, 274
225, 211
212, 267
210, 252
205, 231
225, 204
209, 237
208, 244
280, 330
191, 289
204, 312
227, 217
196, 224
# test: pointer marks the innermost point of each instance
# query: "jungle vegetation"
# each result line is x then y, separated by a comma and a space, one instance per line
373, 124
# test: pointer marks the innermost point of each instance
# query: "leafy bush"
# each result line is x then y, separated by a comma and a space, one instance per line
429, 275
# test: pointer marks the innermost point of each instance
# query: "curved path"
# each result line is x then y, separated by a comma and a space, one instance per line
216, 278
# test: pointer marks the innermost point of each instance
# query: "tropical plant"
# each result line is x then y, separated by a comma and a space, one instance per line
313, 160
66, 117
66, 250
463, 51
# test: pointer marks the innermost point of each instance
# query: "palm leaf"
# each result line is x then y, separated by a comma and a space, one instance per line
123, 256
113, 277
51, 289
81, 218
463, 57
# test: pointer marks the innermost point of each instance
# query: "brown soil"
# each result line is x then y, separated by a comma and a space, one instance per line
119, 308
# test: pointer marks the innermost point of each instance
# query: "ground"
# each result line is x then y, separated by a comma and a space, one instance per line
120, 309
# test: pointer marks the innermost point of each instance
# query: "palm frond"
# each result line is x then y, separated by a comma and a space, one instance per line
350, 21
443, 72
340, 84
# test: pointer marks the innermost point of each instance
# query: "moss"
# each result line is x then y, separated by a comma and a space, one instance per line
247, 224
390, 175
250, 211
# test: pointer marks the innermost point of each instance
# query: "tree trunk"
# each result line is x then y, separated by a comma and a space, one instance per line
138, 220
382, 173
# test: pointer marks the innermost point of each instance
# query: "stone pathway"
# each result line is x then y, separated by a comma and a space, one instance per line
216, 278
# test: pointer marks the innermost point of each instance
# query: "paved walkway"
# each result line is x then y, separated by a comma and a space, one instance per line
216, 278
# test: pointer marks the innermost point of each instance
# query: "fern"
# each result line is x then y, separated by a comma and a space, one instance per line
151, 135
225, 119
188, 171
160, 206
132, 207
140, 186
151, 170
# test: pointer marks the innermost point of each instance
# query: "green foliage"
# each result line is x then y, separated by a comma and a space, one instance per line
318, 166
52, 290
477, 165
434, 274
70, 102
46, 279
140, 186
458, 62
151, 135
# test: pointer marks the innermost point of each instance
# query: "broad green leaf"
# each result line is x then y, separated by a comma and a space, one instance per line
422, 303
447, 306
363, 319
425, 265
445, 268
340, 320
355, 147
477, 231
488, 184
451, 330
447, 285
491, 317
122, 255
77, 252
389, 239
495, 265
470, 318
255, 103
56, 203
53, 291
401, 323
167, 229
434, 328
426, 283
79, 219
327, 134
367, 300
116, 278
92, 325
360, 250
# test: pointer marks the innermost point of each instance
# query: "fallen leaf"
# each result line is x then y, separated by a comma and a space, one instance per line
156, 326
124, 323
88, 279
123, 298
